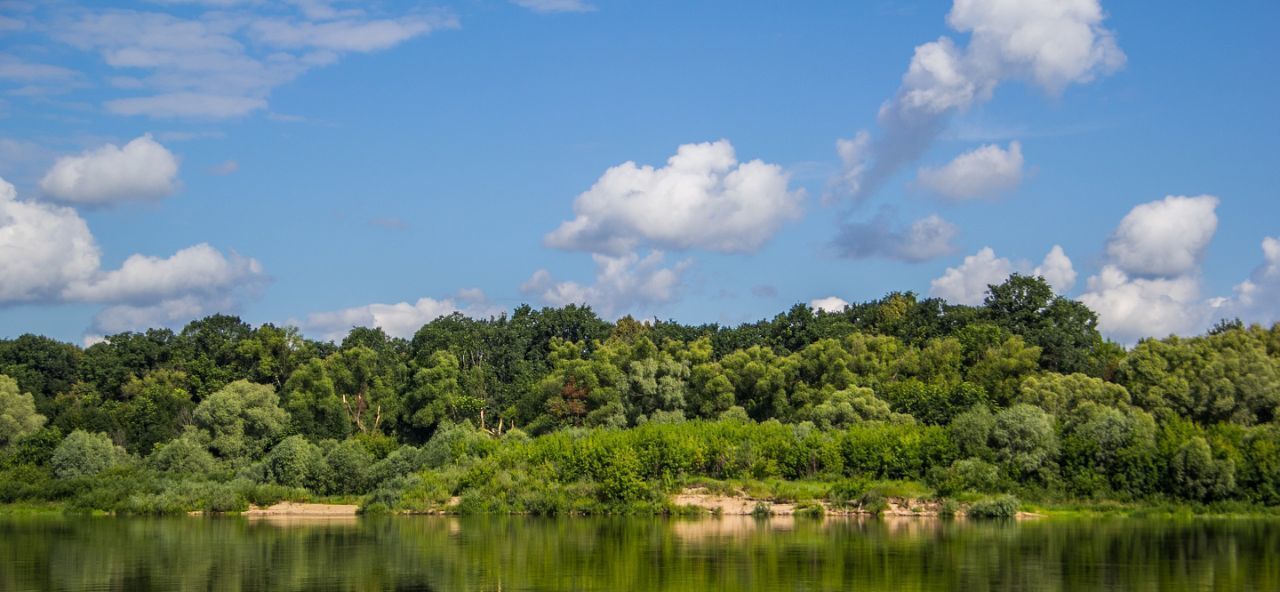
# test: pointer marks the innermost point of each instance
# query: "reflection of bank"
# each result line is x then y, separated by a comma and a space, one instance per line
735, 526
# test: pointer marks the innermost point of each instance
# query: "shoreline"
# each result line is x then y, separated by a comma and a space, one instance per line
703, 505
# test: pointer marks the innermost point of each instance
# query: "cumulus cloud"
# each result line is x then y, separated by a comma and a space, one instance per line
983, 172
1057, 270
1150, 284
43, 248
1131, 308
1165, 237
968, 283
624, 284
923, 239
48, 254
555, 5
225, 63
401, 319
140, 170
196, 270
1048, 42
703, 198
1258, 298
828, 304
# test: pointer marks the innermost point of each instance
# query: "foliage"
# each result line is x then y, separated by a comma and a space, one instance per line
1001, 507
555, 410
241, 420
85, 454
18, 417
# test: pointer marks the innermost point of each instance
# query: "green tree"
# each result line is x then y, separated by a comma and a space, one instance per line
437, 394
85, 454
1025, 442
1195, 474
313, 404
365, 380
18, 417
1000, 369
154, 409
183, 456
242, 420
1059, 394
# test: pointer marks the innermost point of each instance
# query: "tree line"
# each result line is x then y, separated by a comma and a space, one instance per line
1021, 393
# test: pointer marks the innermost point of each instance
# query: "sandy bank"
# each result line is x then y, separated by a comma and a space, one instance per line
294, 509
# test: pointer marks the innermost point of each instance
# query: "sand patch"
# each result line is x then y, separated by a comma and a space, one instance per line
300, 510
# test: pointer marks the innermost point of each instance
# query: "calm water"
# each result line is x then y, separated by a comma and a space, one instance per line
435, 553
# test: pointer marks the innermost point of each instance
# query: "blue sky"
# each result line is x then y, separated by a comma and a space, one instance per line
334, 163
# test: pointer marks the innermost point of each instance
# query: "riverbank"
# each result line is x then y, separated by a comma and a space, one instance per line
696, 502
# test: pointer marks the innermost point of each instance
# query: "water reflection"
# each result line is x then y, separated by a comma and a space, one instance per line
495, 553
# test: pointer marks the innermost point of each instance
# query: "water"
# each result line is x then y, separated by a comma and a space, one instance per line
509, 554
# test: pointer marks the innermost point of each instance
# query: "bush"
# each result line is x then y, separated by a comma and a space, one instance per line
295, 462
183, 456
970, 474
349, 464
1005, 506
453, 443
84, 454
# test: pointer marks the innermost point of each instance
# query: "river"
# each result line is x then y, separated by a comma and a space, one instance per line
519, 553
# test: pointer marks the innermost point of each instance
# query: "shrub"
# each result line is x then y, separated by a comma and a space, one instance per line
349, 464
295, 462
183, 456
970, 474
84, 454
1005, 506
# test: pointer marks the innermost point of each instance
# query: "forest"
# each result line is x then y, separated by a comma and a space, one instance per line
556, 411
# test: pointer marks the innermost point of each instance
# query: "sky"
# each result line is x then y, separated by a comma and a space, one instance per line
327, 164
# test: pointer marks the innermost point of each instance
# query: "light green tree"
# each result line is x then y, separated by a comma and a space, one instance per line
242, 420
85, 454
18, 417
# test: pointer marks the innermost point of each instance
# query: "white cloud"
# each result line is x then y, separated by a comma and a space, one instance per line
16, 69
855, 158
43, 247
1131, 308
172, 312
187, 104
828, 304
1258, 298
923, 239
555, 5
1165, 237
48, 254
624, 284
1052, 43
225, 63
141, 170
196, 270
1057, 270
347, 35
401, 319
704, 198
983, 172
1150, 285
967, 284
